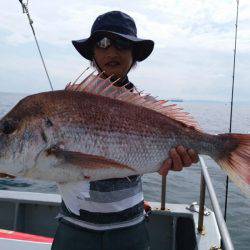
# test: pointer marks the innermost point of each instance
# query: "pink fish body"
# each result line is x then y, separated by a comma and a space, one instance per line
95, 131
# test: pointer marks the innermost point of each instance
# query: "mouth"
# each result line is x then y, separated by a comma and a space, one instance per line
112, 64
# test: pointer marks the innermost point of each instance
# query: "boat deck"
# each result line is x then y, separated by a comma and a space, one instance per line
34, 213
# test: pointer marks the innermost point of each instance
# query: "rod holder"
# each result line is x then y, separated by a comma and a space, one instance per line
163, 191
202, 205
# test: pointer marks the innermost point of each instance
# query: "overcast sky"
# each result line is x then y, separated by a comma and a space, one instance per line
192, 59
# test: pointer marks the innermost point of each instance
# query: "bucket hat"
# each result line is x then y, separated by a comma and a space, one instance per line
114, 24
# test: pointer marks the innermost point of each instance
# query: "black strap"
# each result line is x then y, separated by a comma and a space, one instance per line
115, 184
106, 218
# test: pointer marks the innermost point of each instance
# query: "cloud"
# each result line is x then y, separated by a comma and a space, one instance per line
192, 57
167, 22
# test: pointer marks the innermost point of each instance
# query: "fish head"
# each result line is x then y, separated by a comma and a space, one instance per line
24, 134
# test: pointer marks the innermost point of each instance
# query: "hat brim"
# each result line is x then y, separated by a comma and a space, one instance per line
142, 47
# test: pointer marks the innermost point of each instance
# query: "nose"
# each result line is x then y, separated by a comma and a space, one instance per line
111, 50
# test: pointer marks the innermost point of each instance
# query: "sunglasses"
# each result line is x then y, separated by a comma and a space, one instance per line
120, 44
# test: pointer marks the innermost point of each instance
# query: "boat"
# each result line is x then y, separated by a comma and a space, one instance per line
176, 100
28, 221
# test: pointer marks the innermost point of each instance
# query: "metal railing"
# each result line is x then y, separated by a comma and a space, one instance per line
206, 183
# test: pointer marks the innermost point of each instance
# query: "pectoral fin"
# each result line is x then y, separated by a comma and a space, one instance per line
85, 160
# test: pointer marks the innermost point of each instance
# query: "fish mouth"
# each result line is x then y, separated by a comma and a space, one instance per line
7, 176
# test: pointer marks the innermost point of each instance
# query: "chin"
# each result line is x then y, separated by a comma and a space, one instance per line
115, 73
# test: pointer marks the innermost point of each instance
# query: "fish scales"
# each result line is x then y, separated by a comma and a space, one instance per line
118, 130
125, 127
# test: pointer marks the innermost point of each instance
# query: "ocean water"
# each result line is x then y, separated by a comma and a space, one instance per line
182, 187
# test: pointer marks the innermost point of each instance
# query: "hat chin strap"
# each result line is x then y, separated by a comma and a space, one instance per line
100, 70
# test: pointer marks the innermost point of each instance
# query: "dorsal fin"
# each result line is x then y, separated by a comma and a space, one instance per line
105, 87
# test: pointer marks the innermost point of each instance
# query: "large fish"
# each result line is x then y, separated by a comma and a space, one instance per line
95, 130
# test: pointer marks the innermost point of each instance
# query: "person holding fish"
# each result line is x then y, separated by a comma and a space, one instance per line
108, 214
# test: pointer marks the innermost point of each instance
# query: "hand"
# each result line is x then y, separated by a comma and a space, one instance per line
147, 207
179, 157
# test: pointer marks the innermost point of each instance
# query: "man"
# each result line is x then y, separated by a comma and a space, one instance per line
108, 214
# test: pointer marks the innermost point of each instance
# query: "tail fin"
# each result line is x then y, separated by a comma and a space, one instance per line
236, 160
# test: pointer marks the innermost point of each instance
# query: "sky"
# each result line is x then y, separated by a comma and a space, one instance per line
192, 58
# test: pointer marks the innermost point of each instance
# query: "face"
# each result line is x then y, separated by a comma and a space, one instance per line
113, 61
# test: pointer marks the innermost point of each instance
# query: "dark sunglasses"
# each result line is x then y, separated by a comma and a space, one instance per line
120, 44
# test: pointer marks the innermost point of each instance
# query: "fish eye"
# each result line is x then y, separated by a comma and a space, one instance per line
7, 127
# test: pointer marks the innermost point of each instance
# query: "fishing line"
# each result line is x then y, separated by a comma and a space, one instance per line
232, 99
26, 11
80, 75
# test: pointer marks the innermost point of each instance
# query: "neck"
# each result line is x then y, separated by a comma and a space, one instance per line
120, 83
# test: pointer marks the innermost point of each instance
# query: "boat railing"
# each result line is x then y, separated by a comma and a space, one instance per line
206, 183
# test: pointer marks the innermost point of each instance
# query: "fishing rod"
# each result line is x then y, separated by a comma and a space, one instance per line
232, 99
26, 11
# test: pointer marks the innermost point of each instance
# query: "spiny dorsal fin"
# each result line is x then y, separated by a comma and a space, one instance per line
105, 87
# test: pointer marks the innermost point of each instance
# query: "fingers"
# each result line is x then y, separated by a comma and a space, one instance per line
182, 157
166, 166
179, 157
183, 154
177, 161
146, 206
193, 155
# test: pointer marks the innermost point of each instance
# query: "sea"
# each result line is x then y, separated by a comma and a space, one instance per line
183, 186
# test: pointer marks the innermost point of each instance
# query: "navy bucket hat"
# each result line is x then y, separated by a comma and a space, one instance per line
114, 24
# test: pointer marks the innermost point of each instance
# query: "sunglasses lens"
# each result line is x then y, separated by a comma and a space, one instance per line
104, 43
122, 44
